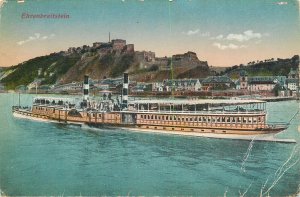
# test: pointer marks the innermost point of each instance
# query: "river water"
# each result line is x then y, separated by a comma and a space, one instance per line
38, 158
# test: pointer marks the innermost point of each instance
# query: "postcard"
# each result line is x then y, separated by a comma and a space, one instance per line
149, 98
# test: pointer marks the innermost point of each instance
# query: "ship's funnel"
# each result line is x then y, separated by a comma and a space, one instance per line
125, 91
86, 88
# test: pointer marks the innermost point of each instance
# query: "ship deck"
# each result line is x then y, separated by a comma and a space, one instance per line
266, 138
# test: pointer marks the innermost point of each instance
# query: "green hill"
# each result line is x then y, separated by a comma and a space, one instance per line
271, 67
69, 66
51, 67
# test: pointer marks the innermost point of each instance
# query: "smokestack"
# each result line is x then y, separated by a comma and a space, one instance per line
86, 88
125, 91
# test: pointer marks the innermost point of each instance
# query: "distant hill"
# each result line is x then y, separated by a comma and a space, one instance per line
270, 67
104, 60
50, 68
100, 61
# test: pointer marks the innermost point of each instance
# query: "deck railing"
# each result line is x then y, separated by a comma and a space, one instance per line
277, 125
199, 112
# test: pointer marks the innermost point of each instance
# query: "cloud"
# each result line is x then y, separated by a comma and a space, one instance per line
228, 46
205, 34
196, 31
219, 37
36, 36
247, 35
243, 37
192, 32
282, 3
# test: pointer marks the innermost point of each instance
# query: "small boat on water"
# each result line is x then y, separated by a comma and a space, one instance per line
201, 117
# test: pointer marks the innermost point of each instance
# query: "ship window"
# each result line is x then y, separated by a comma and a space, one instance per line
233, 119
187, 119
228, 119
250, 120
223, 119
218, 119
167, 117
53, 110
191, 119
239, 119
173, 129
204, 119
244, 120
259, 120
195, 119
182, 129
199, 118
152, 117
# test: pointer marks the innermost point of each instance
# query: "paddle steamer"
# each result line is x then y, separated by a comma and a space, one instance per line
239, 117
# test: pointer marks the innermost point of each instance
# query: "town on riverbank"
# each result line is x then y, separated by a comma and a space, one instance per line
180, 75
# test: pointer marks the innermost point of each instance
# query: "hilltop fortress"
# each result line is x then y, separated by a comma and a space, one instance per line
146, 59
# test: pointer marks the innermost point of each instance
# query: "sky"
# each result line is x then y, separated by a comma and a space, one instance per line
222, 32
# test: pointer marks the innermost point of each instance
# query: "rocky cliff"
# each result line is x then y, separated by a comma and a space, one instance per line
100, 61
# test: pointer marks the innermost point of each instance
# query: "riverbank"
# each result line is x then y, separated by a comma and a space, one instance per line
276, 99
